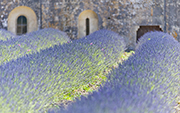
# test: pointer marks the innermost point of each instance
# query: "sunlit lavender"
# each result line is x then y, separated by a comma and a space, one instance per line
148, 82
31, 43
30, 83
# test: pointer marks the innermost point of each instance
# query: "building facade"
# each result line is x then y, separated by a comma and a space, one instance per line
78, 18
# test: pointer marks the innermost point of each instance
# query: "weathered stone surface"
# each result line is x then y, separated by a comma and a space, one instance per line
121, 16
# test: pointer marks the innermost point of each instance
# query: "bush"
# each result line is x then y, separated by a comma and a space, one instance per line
31, 83
108, 41
6, 35
148, 82
148, 36
31, 43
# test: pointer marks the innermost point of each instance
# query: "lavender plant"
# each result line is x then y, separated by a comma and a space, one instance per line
31, 43
146, 37
6, 35
109, 42
148, 82
33, 82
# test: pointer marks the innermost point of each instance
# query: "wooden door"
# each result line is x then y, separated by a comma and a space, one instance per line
144, 29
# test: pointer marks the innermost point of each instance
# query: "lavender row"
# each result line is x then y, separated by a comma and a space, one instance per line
30, 83
31, 43
148, 82
6, 35
108, 42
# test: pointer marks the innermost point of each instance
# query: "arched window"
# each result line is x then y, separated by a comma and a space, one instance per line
87, 23
21, 25
87, 26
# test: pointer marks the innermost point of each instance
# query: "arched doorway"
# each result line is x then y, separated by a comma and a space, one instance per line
144, 29
30, 16
87, 23
21, 25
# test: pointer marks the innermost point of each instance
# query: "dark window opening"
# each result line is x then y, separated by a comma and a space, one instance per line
144, 29
21, 25
87, 26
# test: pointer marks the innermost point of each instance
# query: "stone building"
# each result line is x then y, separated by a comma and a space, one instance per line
78, 18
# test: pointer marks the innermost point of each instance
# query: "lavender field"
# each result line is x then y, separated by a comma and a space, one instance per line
13, 47
147, 82
59, 69
34, 82
6, 35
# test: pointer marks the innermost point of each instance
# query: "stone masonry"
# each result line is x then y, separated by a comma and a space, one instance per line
122, 16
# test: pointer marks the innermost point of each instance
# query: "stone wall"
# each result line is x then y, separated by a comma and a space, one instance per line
173, 17
122, 16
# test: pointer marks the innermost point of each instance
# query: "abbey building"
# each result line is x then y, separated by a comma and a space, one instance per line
78, 18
